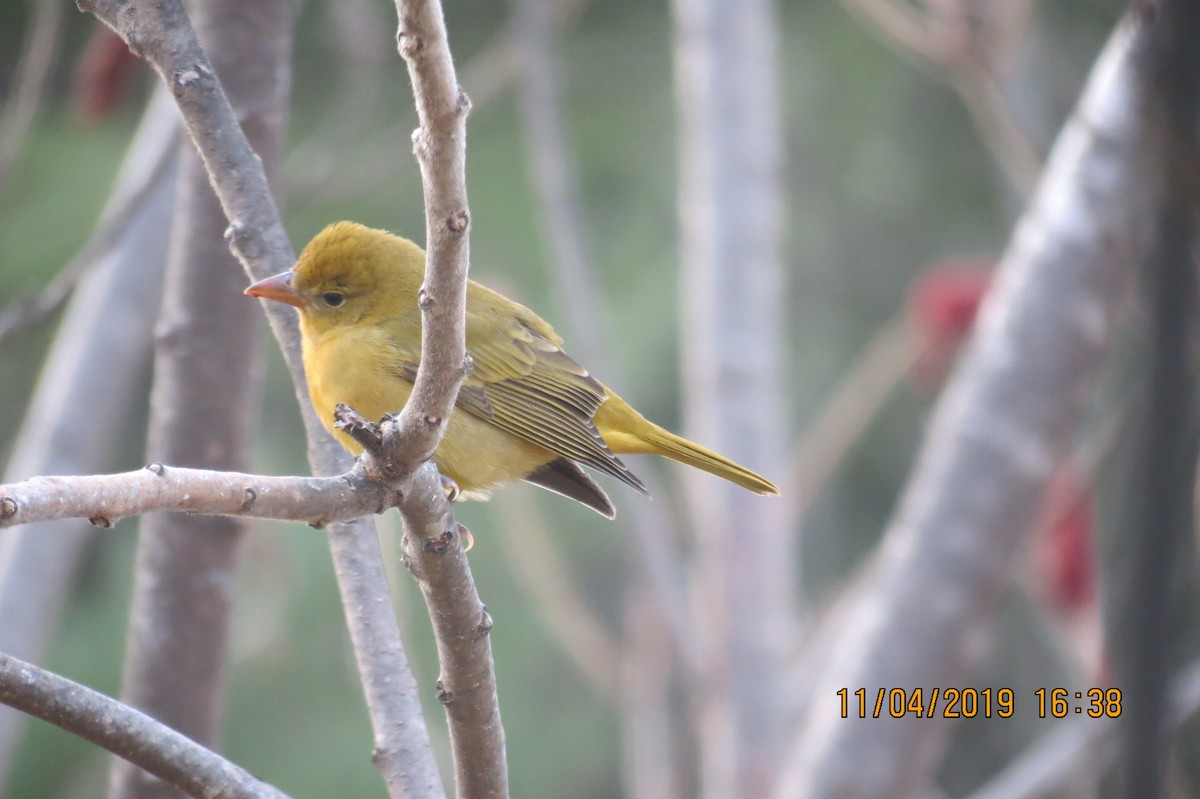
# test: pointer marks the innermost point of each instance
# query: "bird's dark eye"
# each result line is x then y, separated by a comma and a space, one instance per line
333, 298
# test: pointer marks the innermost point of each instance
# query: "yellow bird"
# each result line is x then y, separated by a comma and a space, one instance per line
525, 412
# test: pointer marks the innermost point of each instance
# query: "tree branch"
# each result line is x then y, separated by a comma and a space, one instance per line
96, 364
432, 545
730, 198
127, 733
178, 629
161, 33
105, 499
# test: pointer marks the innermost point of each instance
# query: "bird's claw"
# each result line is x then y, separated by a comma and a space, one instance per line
451, 488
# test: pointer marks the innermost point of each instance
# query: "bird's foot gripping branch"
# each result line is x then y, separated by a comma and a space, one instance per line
385, 457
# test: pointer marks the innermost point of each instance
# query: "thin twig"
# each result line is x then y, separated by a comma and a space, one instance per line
127, 733
654, 528
845, 415
970, 58
486, 77
24, 313
32, 73
1071, 759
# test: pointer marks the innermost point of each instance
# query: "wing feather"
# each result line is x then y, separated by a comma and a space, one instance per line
523, 383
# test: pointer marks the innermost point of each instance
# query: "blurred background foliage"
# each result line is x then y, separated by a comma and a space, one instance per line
886, 175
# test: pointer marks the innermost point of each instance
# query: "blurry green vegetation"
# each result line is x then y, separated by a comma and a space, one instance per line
886, 175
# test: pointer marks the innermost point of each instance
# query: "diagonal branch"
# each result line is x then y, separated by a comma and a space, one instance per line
174, 758
1001, 426
32, 75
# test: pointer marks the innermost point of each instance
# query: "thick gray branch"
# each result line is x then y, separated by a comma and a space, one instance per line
127, 733
205, 376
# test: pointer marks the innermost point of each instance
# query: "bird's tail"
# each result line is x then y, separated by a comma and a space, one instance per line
680, 449
628, 432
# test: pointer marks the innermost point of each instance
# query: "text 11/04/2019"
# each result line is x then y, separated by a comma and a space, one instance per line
954, 703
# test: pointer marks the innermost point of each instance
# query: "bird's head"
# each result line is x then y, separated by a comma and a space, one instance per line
349, 274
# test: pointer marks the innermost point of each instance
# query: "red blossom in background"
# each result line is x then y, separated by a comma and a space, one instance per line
104, 75
1063, 559
942, 305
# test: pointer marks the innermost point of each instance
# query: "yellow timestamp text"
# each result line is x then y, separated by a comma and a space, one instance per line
968, 703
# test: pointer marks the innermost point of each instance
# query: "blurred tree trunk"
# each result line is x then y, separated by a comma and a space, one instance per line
93, 364
206, 383
731, 206
923, 608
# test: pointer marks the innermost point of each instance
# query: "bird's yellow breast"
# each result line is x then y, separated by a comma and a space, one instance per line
351, 365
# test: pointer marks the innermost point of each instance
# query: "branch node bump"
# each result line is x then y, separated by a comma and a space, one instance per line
484, 628
440, 545
8, 508
468, 364
251, 498
431, 420
458, 222
464, 102
318, 524
444, 694
409, 44
100, 521
157, 468
186, 78
425, 300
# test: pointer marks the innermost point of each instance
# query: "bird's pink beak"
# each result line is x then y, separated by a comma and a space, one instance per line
278, 288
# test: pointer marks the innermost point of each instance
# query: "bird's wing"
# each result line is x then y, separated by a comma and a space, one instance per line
523, 383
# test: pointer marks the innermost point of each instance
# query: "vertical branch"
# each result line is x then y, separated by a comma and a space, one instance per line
432, 544
1157, 517
652, 529
186, 565
731, 199
92, 364
161, 33
1002, 424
